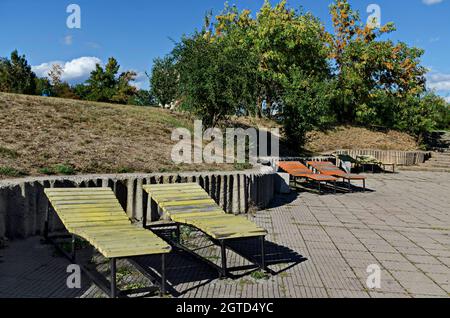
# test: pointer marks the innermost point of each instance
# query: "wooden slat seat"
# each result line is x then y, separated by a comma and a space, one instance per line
298, 170
95, 214
190, 204
87, 212
328, 168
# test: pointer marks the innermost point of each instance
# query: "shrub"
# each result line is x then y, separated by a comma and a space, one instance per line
64, 169
11, 172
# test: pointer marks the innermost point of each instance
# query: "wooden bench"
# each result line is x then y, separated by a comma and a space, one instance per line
298, 170
190, 204
328, 168
95, 215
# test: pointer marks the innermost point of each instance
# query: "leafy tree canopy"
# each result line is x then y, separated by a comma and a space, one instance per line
16, 75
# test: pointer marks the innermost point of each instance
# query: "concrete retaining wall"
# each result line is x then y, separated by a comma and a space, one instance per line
402, 158
23, 204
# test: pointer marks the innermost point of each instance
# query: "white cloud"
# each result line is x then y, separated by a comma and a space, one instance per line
431, 2
447, 99
75, 71
68, 40
93, 45
141, 81
438, 81
78, 70
434, 40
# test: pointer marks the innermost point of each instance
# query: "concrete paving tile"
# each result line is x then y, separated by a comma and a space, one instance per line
434, 268
398, 266
418, 283
423, 259
388, 295
321, 246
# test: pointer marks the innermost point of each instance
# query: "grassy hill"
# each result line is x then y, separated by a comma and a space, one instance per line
40, 136
348, 137
43, 136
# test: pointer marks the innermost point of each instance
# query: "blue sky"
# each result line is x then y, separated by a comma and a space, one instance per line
137, 31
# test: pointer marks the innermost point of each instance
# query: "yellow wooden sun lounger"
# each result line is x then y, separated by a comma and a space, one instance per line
190, 204
95, 214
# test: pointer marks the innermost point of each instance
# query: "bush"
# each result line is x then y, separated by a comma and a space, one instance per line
306, 106
419, 114
64, 169
142, 98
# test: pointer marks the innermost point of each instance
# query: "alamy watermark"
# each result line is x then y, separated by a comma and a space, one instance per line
374, 18
73, 281
212, 145
74, 19
374, 279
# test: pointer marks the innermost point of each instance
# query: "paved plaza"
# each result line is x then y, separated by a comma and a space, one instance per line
318, 246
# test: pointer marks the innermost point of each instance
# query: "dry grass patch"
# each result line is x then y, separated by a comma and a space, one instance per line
346, 137
52, 136
40, 136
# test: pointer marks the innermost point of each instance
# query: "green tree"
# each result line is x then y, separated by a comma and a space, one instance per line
164, 80
420, 114
306, 101
43, 86
442, 114
64, 90
365, 66
16, 75
105, 86
124, 92
102, 82
143, 98
279, 38
216, 78
82, 91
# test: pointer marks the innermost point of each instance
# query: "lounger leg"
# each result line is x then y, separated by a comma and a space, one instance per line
113, 278
335, 186
46, 224
349, 185
178, 233
73, 247
320, 188
364, 185
263, 256
224, 259
163, 274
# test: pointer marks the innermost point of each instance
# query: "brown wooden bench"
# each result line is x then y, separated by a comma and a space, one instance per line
298, 170
328, 168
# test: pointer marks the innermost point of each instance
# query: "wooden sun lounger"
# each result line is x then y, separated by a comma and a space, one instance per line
94, 214
328, 168
298, 170
190, 204
371, 160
